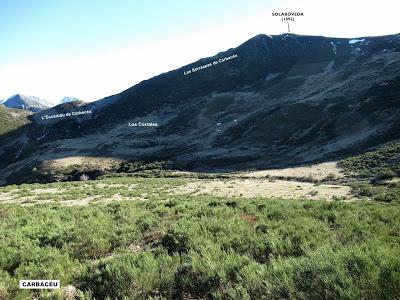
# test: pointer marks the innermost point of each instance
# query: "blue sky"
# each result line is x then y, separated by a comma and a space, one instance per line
92, 49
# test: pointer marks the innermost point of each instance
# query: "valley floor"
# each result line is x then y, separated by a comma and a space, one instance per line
318, 182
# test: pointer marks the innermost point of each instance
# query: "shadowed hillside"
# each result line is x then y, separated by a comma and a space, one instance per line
273, 101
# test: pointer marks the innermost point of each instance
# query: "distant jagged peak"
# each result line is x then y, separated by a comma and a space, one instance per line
33, 98
21, 101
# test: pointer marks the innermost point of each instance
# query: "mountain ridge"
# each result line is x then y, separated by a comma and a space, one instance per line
32, 103
284, 100
141, 86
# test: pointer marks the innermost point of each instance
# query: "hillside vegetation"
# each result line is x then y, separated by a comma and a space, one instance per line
11, 119
382, 162
378, 173
156, 245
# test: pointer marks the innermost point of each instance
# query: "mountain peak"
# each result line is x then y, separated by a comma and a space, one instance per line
271, 101
32, 103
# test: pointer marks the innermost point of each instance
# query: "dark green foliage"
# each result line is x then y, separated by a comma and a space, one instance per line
382, 193
175, 241
383, 163
46, 173
139, 166
378, 173
389, 279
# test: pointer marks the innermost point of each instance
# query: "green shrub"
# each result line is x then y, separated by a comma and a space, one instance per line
389, 279
176, 241
252, 249
382, 163
131, 276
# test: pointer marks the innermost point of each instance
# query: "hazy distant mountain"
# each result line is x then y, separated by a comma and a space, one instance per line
68, 99
273, 101
31, 103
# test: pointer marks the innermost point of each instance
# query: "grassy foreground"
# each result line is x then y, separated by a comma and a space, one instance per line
202, 247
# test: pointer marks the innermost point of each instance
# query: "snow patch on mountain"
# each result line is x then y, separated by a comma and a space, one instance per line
354, 41
334, 50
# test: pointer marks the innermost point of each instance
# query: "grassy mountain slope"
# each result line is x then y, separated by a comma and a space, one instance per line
377, 172
11, 119
384, 160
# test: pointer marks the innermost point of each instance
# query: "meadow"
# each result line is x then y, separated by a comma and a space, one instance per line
149, 233
150, 243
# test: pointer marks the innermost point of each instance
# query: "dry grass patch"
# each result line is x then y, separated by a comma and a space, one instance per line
251, 188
